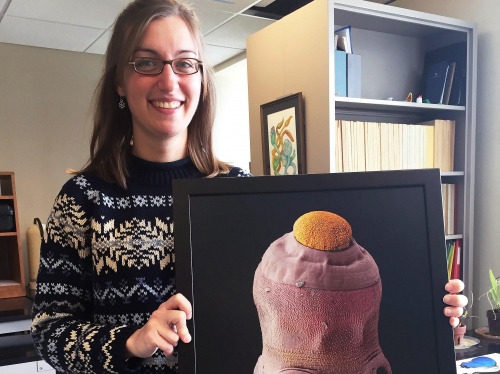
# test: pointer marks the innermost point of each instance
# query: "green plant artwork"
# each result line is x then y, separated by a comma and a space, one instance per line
283, 151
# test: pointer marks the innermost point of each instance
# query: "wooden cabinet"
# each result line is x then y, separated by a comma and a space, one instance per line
12, 282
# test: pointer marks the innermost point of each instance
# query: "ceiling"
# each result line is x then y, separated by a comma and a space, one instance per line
85, 25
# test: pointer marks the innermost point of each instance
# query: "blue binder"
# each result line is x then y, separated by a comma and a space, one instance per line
340, 73
353, 75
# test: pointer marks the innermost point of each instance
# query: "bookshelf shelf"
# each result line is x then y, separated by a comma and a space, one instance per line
446, 174
397, 106
6, 197
453, 237
453, 177
347, 108
8, 233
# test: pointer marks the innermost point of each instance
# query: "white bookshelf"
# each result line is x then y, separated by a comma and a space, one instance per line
392, 42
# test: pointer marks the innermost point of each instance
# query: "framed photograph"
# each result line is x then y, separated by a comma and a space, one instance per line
224, 226
283, 141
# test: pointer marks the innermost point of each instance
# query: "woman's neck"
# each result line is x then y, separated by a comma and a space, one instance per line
165, 150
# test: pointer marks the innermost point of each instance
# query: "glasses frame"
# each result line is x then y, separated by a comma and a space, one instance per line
167, 62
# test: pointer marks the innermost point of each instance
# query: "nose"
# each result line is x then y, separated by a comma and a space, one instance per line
167, 79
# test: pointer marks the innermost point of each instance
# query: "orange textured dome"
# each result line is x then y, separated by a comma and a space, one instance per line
324, 231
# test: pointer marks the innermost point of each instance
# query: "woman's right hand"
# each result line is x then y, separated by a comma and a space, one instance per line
163, 330
456, 303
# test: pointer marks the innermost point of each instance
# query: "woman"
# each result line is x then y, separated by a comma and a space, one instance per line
106, 299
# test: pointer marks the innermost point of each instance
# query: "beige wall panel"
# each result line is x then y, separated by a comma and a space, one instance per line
265, 83
287, 57
307, 71
45, 122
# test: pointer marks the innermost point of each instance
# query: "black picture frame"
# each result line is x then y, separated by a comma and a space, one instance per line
224, 226
283, 134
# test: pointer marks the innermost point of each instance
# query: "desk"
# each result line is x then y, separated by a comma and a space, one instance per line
17, 353
483, 348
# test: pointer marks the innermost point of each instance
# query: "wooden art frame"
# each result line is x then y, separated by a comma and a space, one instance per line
283, 139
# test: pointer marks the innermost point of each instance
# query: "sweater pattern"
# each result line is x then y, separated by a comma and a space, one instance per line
107, 262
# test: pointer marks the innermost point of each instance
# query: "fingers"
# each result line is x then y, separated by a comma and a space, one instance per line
163, 330
453, 311
177, 318
456, 310
454, 321
456, 300
178, 301
174, 327
454, 286
168, 340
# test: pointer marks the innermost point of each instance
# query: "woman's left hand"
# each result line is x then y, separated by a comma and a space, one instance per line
455, 302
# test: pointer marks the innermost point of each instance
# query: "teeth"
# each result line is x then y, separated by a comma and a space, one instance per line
166, 104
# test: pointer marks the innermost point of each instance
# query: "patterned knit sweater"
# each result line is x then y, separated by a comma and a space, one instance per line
107, 262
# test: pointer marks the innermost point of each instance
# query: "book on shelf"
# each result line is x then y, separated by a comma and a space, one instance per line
338, 147
352, 136
450, 201
340, 73
454, 258
449, 82
435, 82
385, 140
344, 41
373, 146
429, 146
457, 95
450, 251
455, 267
359, 151
439, 144
353, 75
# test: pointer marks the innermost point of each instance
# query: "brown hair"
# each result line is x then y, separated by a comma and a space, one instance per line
112, 132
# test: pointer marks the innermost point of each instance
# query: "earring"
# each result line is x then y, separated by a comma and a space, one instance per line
121, 103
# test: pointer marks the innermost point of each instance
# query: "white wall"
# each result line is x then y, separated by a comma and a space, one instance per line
231, 134
487, 198
45, 122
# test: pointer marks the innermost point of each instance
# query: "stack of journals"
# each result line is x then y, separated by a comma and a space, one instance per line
371, 146
453, 253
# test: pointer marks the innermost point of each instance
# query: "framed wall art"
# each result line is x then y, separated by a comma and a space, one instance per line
283, 141
224, 227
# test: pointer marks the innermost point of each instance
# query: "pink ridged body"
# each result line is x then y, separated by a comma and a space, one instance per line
318, 310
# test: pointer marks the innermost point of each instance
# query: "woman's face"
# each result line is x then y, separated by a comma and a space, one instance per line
163, 105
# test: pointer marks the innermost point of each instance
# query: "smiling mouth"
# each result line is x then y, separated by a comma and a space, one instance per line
166, 104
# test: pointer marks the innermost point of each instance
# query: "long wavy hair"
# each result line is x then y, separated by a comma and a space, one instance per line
111, 138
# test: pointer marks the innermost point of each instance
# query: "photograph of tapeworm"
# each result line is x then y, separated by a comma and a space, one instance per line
334, 286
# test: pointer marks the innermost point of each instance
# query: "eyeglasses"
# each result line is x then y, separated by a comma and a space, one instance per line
154, 66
